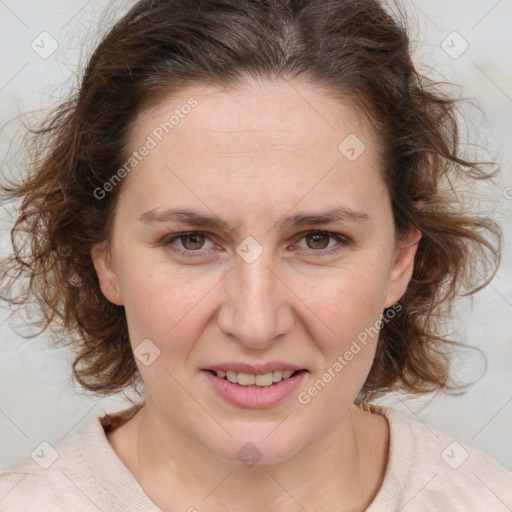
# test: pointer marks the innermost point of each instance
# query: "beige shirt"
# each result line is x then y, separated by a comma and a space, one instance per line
426, 471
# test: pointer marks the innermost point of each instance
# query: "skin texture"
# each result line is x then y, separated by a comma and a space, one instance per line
254, 156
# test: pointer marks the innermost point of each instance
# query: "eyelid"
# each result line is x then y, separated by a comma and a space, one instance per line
343, 242
167, 240
332, 234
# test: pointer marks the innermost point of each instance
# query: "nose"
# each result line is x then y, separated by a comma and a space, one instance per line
257, 306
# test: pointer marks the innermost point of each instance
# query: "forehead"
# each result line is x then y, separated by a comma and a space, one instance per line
256, 115
273, 142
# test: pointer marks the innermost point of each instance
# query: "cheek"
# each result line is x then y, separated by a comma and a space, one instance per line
350, 309
347, 299
173, 306
164, 304
172, 312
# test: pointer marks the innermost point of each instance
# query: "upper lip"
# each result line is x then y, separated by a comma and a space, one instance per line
255, 369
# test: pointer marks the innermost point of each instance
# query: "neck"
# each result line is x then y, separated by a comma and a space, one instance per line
177, 471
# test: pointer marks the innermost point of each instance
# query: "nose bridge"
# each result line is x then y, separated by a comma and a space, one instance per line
254, 311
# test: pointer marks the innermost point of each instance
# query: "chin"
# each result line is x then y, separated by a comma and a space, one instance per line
253, 445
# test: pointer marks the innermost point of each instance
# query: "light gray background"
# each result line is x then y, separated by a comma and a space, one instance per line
38, 402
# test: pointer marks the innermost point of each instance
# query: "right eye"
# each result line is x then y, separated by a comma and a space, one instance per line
191, 242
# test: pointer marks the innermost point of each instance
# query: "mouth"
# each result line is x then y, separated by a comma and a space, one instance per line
255, 390
252, 380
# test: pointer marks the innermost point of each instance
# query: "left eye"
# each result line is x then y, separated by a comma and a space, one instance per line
318, 239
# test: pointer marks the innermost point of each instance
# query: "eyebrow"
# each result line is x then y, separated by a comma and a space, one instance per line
198, 219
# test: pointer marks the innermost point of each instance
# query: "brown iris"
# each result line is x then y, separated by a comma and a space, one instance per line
197, 240
317, 240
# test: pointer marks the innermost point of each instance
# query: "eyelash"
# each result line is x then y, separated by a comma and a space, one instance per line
316, 253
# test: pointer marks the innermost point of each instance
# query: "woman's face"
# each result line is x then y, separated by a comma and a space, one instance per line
254, 287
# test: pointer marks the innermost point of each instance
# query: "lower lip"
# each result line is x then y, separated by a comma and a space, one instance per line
257, 397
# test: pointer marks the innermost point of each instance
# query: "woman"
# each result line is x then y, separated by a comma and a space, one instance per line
244, 208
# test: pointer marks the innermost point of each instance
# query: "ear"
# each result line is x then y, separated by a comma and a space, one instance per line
403, 265
107, 277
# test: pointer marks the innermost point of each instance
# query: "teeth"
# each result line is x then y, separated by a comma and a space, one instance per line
287, 373
277, 375
265, 379
232, 377
248, 379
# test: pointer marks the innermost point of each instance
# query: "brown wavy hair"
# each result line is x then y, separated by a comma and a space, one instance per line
356, 50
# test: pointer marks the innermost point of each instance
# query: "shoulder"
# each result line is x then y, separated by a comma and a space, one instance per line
428, 469
80, 473
46, 480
